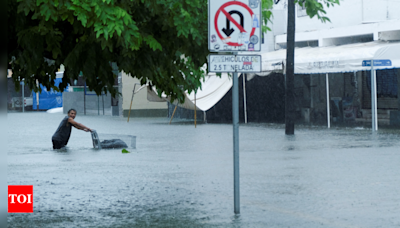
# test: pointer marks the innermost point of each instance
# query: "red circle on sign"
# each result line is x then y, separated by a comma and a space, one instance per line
223, 8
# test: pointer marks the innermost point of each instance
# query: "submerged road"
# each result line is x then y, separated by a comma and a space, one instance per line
181, 176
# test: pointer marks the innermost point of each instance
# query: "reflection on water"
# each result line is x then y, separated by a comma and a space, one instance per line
181, 176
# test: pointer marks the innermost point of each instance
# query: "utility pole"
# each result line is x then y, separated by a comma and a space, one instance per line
289, 77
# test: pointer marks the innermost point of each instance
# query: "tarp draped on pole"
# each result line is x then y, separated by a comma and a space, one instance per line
212, 90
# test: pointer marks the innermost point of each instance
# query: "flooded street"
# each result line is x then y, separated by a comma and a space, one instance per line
181, 176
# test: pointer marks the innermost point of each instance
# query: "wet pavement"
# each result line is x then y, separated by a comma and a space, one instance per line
181, 176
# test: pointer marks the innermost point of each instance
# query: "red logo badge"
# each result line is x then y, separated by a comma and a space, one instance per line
20, 199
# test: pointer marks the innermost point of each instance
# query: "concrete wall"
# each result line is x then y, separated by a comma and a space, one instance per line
352, 21
348, 13
278, 27
141, 107
75, 100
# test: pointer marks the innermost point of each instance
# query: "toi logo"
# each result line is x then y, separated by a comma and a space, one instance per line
20, 199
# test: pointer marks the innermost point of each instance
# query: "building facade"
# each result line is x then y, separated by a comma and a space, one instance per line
352, 22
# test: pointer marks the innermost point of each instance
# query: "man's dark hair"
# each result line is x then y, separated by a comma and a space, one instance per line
72, 110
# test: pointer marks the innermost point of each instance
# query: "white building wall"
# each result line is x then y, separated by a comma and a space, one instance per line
278, 27
380, 10
348, 13
352, 21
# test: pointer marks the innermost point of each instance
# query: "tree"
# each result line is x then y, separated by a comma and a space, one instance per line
161, 42
313, 8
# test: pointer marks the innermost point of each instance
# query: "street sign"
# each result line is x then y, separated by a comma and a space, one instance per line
234, 25
377, 62
374, 99
234, 63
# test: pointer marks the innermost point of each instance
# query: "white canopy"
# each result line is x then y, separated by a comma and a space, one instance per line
334, 59
309, 60
212, 90
338, 59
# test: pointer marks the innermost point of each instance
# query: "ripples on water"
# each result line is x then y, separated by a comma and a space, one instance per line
181, 176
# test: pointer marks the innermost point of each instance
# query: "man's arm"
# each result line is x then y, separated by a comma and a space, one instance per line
78, 125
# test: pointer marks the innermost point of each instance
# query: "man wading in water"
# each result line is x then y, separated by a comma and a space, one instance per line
61, 137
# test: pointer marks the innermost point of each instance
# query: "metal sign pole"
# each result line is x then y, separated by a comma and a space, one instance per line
235, 120
328, 112
229, 34
244, 97
373, 98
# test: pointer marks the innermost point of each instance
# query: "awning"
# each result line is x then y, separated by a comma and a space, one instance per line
212, 90
309, 60
333, 59
339, 59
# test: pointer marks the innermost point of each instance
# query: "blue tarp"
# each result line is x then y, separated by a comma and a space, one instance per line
49, 99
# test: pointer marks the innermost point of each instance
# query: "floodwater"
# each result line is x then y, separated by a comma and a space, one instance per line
181, 176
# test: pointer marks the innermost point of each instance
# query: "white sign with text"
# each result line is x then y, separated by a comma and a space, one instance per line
234, 63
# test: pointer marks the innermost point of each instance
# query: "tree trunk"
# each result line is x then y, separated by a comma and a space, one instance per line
289, 77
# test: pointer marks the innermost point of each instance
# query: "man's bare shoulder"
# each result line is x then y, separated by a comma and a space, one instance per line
71, 120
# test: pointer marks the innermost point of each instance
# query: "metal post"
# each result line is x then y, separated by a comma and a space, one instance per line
84, 100
328, 111
37, 96
374, 106
235, 120
102, 98
244, 98
37, 101
195, 110
133, 93
23, 95
98, 105
173, 114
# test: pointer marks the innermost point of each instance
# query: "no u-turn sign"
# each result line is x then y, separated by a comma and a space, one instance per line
234, 25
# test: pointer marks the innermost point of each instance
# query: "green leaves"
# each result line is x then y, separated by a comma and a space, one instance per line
83, 19
124, 151
316, 8
161, 42
147, 40
153, 43
313, 8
